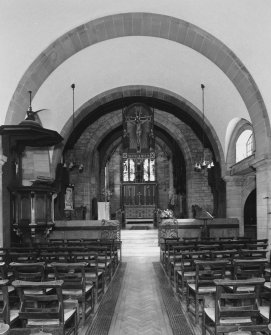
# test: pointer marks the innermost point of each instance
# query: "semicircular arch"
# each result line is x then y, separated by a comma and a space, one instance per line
154, 25
150, 92
239, 128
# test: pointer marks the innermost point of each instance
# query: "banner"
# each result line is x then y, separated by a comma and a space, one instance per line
69, 198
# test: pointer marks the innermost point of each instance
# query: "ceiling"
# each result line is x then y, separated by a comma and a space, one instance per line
133, 60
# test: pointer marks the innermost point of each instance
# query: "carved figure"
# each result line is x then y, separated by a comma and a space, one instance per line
138, 120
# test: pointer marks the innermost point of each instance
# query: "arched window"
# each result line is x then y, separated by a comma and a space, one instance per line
249, 145
244, 145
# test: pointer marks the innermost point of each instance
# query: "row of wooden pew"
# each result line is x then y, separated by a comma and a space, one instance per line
225, 285
172, 249
55, 286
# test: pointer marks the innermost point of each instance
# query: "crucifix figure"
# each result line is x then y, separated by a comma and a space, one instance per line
138, 120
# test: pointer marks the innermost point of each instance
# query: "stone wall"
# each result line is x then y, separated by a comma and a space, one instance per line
89, 183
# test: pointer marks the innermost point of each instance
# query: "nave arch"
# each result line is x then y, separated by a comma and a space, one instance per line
101, 126
117, 98
154, 25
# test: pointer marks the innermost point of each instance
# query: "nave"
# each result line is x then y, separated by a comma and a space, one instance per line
146, 303
146, 296
185, 286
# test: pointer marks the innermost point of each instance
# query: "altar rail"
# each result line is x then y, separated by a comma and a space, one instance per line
218, 227
87, 229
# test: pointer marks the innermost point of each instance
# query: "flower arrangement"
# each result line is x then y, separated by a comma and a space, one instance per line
166, 214
107, 194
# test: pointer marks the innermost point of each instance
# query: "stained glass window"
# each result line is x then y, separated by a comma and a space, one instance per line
125, 170
152, 170
132, 169
135, 171
146, 170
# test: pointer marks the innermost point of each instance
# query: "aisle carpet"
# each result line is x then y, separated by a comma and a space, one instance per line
173, 307
103, 317
101, 322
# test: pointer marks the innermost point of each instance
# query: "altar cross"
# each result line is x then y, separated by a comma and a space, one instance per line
138, 119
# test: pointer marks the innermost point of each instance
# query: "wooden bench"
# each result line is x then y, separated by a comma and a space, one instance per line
8, 313
235, 311
252, 253
248, 268
166, 248
92, 272
75, 285
174, 255
45, 311
28, 271
16, 255
185, 269
206, 272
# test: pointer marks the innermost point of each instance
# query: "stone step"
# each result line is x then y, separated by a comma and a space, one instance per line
150, 242
140, 243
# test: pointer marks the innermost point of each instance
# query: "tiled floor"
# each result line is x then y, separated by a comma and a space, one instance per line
140, 309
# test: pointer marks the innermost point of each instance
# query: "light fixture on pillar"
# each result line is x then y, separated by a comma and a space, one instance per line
205, 160
73, 164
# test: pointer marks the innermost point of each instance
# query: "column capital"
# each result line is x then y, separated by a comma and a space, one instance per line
261, 163
237, 180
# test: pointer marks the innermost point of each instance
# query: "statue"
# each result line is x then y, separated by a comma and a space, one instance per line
171, 199
126, 139
138, 120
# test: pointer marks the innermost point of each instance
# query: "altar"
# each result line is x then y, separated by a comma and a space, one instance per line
104, 210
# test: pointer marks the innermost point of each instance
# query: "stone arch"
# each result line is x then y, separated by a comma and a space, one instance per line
249, 187
153, 25
116, 121
240, 126
142, 91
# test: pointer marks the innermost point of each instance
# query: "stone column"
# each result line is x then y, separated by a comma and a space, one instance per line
3, 160
234, 185
263, 189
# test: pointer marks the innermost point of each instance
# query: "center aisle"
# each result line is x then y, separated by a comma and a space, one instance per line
140, 309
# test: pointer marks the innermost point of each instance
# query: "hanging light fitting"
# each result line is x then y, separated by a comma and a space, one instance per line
204, 161
73, 164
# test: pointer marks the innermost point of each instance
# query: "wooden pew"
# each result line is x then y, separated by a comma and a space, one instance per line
235, 311
75, 285
185, 269
45, 311
174, 257
28, 271
206, 272
23, 255
92, 272
252, 254
165, 244
248, 268
8, 313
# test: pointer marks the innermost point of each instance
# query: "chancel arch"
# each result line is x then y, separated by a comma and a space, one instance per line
153, 25
158, 97
173, 130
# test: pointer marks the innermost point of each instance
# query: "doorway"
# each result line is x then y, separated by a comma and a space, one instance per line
250, 216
